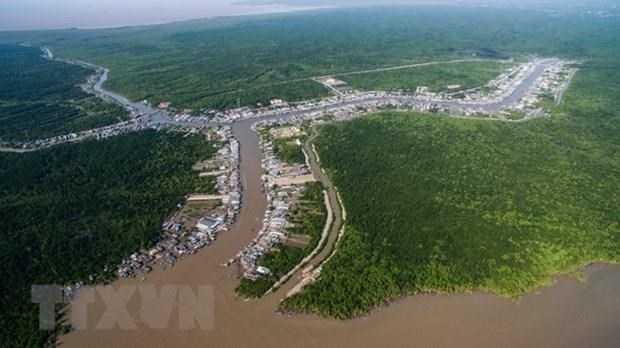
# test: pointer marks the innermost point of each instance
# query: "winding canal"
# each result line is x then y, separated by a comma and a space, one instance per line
567, 314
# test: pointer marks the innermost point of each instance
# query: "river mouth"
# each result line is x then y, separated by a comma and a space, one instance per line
568, 314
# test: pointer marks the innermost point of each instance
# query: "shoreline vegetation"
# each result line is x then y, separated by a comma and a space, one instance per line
72, 212
469, 179
451, 205
290, 309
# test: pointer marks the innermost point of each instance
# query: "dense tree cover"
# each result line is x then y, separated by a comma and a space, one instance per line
286, 150
257, 96
434, 204
448, 205
308, 219
195, 63
69, 211
515, 115
41, 97
206, 185
280, 262
435, 77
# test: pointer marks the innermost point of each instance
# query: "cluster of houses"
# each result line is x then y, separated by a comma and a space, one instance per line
490, 99
225, 167
178, 239
165, 253
553, 83
283, 185
223, 116
133, 125
173, 246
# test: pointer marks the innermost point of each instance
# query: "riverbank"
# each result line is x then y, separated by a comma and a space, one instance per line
327, 246
568, 314
262, 328
473, 320
519, 90
298, 223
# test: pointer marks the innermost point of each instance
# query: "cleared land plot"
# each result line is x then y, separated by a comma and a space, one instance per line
207, 198
193, 211
295, 180
298, 240
437, 78
285, 132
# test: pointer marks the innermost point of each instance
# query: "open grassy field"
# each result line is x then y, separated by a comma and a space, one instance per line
436, 77
41, 98
203, 63
447, 205
69, 211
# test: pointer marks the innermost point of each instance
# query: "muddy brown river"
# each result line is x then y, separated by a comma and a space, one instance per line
567, 314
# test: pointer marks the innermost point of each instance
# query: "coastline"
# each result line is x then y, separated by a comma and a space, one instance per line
257, 316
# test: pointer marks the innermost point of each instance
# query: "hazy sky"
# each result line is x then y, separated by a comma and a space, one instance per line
46, 14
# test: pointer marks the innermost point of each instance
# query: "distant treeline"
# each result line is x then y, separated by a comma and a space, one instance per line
205, 63
41, 98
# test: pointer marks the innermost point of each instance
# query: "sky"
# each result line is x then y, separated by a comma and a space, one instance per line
55, 14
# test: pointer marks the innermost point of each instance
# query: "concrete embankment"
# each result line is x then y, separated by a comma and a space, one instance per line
333, 228
324, 235
15, 150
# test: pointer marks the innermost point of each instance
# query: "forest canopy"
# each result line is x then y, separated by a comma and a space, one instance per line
70, 211
40, 98
437, 204
224, 62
